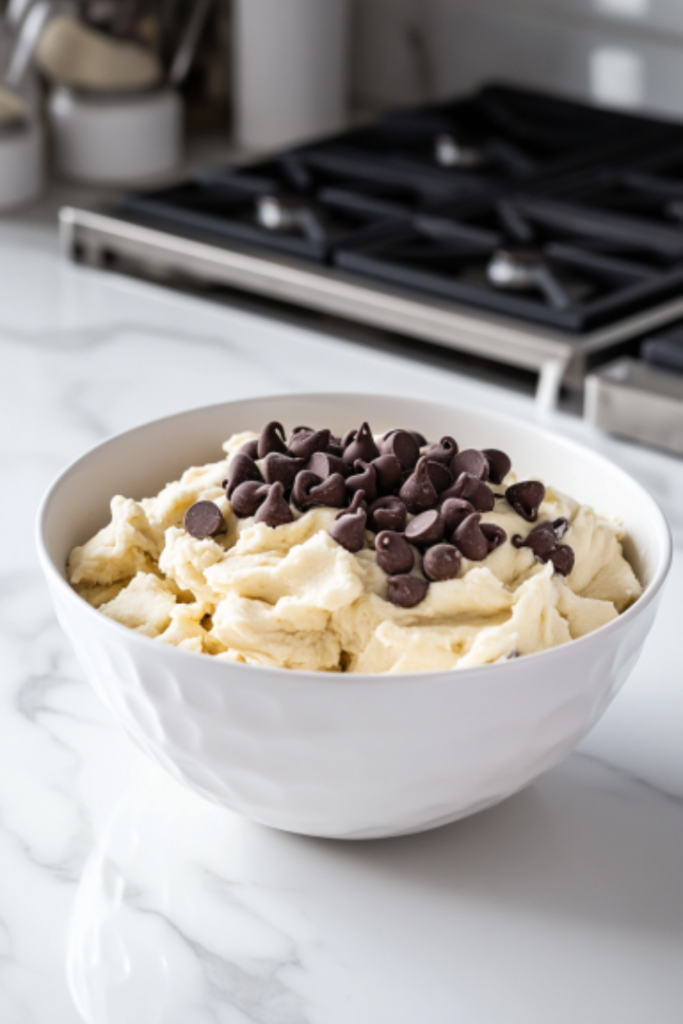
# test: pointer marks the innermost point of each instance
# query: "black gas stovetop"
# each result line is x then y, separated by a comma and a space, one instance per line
529, 228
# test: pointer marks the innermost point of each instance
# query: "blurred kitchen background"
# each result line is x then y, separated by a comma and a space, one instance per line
624, 53
404, 167
618, 53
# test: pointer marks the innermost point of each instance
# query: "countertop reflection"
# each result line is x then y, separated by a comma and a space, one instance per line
185, 913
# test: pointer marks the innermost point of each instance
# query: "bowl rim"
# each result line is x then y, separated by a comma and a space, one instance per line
650, 592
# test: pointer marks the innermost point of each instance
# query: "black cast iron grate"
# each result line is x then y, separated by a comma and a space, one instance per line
500, 137
329, 199
645, 192
376, 202
588, 268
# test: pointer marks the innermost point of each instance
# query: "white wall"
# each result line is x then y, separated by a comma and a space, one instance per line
626, 53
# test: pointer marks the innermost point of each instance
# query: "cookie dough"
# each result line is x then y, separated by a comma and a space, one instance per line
291, 596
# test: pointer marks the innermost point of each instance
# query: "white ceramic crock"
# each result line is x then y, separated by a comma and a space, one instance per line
356, 756
115, 139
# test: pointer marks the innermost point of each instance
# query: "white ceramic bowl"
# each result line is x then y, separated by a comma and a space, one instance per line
356, 756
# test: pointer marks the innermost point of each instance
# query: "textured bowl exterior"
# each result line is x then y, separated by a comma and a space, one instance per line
350, 756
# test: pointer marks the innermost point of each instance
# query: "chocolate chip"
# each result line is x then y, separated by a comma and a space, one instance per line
348, 438
443, 451
362, 446
471, 488
335, 447
305, 480
274, 511
495, 535
440, 475
556, 529
470, 461
203, 519
282, 468
246, 498
406, 591
388, 472
425, 529
454, 510
563, 559
323, 464
441, 562
300, 430
403, 445
304, 444
330, 492
357, 502
250, 448
348, 528
418, 492
310, 491
394, 553
420, 438
364, 479
541, 540
526, 498
470, 539
499, 464
387, 514
272, 439
242, 468
560, 527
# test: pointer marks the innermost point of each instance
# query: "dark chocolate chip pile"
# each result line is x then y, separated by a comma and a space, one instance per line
376, 484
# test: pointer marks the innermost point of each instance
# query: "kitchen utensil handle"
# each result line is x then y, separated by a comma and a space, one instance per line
184, 55
29, 34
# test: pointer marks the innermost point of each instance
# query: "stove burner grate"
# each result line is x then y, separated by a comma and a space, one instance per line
302, 204
449, 200
645, 192
535, 259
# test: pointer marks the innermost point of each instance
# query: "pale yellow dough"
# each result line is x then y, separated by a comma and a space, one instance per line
292, 597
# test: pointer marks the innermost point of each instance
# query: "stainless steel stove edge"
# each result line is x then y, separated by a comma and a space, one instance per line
637, 401
99, 238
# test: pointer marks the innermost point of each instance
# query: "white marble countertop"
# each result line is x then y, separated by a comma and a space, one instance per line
147, 906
